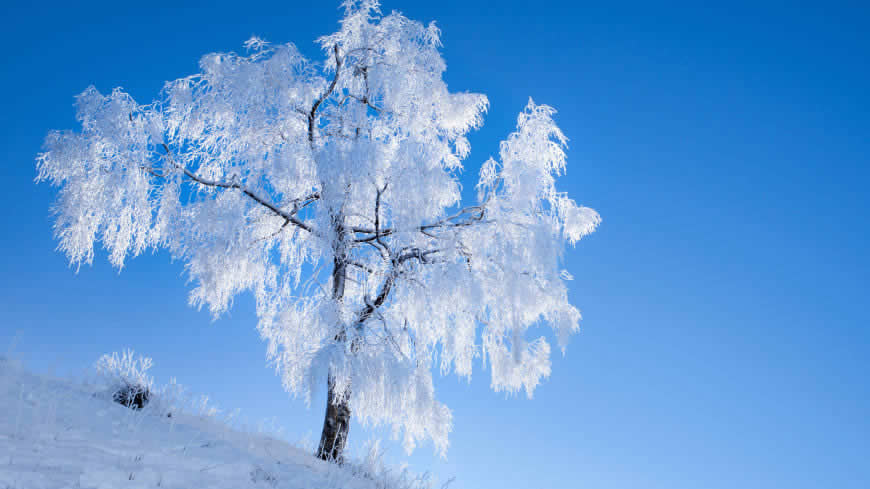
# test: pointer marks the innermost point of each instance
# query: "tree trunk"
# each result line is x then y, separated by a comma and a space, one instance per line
335, 427
336, 422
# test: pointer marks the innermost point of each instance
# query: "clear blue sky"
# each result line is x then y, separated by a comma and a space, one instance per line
725, 340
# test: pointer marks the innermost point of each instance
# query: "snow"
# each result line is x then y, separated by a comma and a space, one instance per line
57, 433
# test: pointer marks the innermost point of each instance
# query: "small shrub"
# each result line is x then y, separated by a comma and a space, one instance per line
127, 376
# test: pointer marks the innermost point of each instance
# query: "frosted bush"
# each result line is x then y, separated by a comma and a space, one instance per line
126, 376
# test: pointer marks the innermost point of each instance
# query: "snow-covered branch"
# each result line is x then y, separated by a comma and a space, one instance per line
312, 116
289, 217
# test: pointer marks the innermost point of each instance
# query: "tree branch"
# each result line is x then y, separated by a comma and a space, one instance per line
416, 253
389, 282
472, 215
312, 116
378, 218
371, 307
288, 216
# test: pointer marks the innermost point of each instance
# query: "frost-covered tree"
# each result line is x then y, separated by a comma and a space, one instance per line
331, 191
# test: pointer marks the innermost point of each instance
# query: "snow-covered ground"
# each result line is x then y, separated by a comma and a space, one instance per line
60, 433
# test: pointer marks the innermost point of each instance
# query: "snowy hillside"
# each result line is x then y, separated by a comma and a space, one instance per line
56, 433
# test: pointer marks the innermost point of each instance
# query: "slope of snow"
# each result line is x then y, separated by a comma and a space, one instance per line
57, 434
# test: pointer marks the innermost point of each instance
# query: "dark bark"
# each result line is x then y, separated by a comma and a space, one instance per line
335, 427
336, 422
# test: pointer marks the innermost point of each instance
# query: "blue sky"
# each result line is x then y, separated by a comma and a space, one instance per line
725, 340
